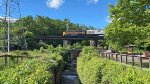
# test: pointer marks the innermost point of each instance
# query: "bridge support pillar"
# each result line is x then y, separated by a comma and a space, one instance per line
65, 43
93, 43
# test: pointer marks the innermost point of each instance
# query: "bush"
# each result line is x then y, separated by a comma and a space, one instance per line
89, 71
98, 70
34, 71
30, 71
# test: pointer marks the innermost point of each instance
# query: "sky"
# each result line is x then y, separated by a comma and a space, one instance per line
88, 12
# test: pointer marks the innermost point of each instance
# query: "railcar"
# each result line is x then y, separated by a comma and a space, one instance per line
83, 33
94, 32
74, 33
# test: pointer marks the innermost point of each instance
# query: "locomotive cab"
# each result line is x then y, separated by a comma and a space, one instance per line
77, 33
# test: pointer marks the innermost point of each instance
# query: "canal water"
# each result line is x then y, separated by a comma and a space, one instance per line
70, 75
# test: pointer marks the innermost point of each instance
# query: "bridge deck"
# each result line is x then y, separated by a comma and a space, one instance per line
70, 38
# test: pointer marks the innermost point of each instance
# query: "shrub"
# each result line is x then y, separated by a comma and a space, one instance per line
34, 71
93, 69
30, 71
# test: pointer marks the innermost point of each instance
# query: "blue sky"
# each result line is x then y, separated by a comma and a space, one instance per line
88, 12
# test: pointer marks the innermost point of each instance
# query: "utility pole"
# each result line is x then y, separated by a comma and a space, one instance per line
11, 11
67, 26
8, 24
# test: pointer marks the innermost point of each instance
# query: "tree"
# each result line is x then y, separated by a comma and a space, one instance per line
135, 12
39, 26
130, 21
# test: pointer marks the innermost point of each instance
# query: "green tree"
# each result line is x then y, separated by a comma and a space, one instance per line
134, 12
130, 23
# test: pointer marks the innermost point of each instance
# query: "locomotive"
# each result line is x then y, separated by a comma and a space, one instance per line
80, 33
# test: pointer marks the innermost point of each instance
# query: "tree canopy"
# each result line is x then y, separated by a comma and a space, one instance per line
130, 23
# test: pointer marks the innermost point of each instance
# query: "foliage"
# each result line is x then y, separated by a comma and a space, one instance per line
130, 12
89, 51
39, 26
62, 51
97, 70
30, 71
77, 45
37, 70
130, 23
88, 70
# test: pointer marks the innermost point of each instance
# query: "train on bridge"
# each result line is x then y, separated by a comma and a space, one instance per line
80, 33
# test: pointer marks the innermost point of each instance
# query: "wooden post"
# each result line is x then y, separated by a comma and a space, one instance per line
132, 60
149, 61
126, 59
117, 57
109, 56
141, 62
121, 58
112, 56
6, 61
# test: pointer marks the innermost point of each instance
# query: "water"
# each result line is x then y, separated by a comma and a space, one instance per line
70, 76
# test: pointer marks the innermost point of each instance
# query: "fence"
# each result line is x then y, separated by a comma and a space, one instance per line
7, 58
132, 59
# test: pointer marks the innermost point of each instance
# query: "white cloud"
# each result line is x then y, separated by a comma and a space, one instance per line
92, 1
54, 3
11, 19
108, 19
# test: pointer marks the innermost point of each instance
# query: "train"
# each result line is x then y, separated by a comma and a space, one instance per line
77, 33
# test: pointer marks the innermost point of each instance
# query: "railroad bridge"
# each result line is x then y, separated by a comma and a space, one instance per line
66, 40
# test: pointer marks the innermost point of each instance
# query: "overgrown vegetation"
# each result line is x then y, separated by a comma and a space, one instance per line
92, 69
40, 70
